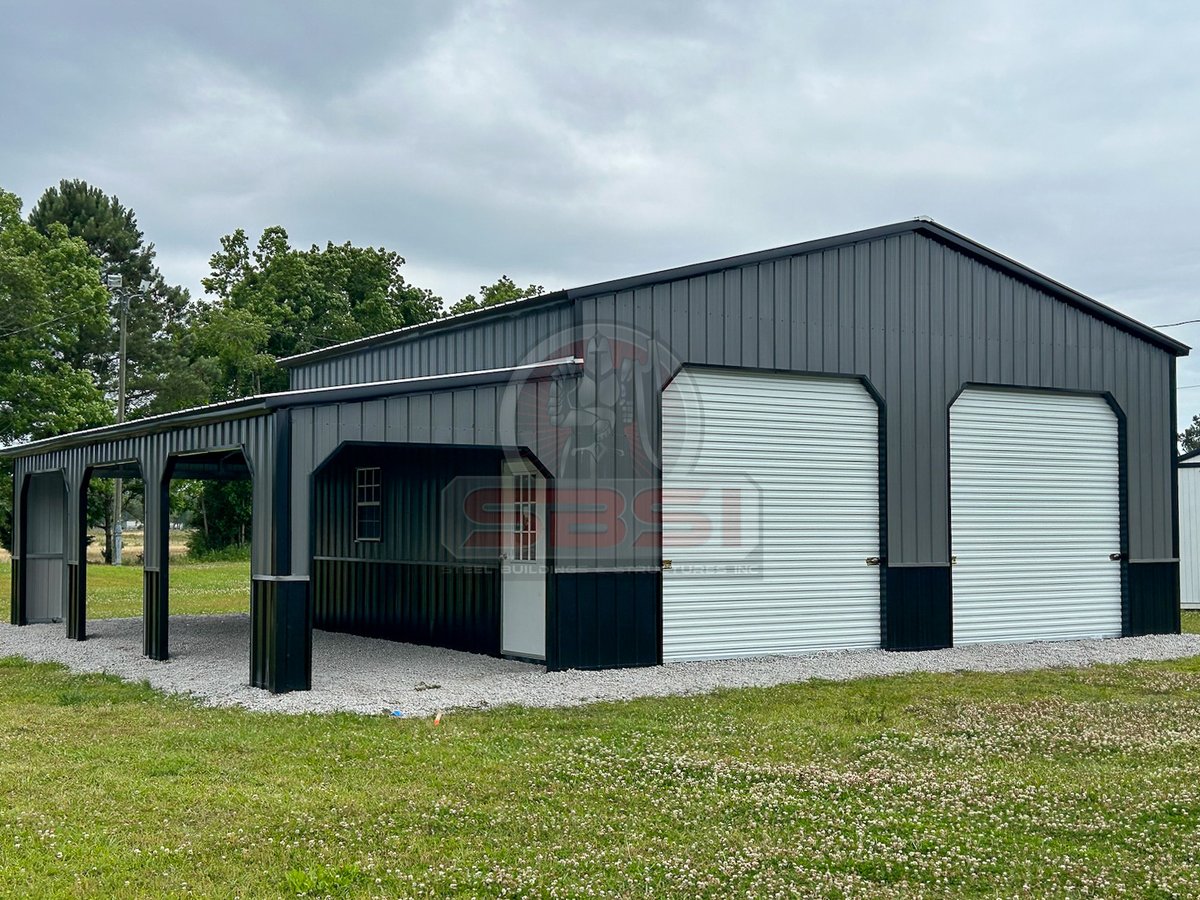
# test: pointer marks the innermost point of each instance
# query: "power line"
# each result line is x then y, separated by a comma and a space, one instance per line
41, 324
1187, 387
1173, 324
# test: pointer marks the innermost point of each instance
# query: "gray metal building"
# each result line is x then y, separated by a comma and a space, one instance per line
895, 438
1189, 530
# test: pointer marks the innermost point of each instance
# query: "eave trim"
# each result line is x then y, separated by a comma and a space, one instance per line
924, 226
265, 403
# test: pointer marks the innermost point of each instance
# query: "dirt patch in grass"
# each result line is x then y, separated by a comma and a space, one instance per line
133, 544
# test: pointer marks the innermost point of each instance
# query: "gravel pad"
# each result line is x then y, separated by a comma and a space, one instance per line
210, 660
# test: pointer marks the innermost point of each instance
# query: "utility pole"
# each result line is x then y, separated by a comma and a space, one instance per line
115, 283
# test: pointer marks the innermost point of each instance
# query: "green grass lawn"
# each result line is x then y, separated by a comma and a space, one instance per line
1064, 783
1042, 784
115, 592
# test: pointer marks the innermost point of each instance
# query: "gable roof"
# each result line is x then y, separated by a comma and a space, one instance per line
924, 226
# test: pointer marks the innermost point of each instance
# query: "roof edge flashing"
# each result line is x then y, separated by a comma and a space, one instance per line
242, 408
396, 335
264, 404
1052, 286
921, 224
308, 396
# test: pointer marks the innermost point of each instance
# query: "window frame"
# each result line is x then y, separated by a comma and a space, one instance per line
368, 479
524, 514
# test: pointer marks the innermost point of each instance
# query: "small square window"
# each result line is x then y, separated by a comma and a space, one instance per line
368, 504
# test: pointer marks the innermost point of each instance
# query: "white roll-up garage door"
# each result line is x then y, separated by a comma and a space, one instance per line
770, 512
1035, 515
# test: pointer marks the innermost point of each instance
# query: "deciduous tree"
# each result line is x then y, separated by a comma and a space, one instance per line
502, 291
1189, 438
276, 300
50, 299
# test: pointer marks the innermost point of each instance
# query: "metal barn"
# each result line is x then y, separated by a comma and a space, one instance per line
892, 438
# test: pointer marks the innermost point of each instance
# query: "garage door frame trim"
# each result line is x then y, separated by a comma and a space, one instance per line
880, 404
1122, 478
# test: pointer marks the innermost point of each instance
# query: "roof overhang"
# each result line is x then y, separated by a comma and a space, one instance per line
264, 404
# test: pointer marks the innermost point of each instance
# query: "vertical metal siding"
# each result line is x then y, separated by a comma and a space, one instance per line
16, 600
1153, 598
488, 344
481, 416
408, 585
920, 320
45, 559
603, 619
254, 435
413, 481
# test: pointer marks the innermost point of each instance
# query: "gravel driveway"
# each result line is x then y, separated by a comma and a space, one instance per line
210, 660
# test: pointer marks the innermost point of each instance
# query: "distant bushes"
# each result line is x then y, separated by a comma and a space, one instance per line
228, 553
222, 517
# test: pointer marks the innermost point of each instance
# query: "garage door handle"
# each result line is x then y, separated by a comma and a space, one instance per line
874, 560
1117, 557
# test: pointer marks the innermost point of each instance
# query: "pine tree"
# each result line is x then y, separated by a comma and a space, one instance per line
158, 317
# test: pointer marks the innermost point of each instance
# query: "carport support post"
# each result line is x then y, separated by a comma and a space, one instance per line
280, 608
281, 634
155, 605
17, 598
77, 486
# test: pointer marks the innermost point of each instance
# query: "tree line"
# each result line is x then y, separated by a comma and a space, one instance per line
264, 299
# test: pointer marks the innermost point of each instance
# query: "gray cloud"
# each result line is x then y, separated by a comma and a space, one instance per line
566, 143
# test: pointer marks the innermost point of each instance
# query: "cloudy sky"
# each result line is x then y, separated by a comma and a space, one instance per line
565, 143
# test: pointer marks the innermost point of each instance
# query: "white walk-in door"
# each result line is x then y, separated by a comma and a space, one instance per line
770, 515
523, 562
1035, 516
